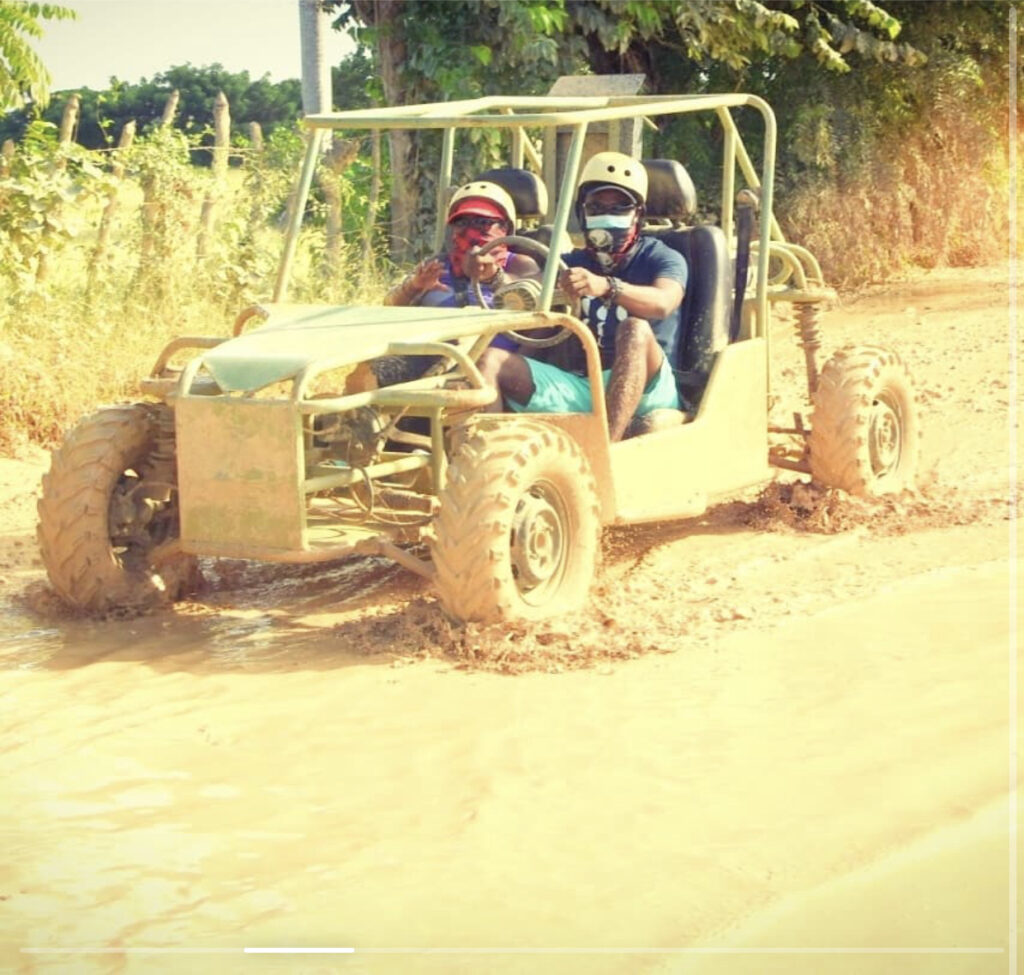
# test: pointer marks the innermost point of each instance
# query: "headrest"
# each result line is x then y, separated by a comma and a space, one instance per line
526, 189
670, 191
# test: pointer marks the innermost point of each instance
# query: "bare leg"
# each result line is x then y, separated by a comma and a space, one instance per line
637, 359
510, 373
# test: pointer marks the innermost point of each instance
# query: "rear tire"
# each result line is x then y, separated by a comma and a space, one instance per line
108, 516
518, 531
865, 429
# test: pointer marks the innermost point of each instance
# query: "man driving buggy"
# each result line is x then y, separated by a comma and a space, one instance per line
631, 290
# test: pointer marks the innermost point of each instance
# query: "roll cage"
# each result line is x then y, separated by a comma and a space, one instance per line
781, 270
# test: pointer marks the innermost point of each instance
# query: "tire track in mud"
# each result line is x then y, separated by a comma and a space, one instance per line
794, 549
791, 549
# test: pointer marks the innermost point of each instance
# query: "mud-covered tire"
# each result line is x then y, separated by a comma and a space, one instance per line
865, 429
88, 564
517, 535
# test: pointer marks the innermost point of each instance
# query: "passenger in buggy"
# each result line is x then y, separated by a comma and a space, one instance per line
631, 289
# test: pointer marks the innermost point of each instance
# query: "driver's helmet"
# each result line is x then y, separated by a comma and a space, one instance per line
613, 169
483, 199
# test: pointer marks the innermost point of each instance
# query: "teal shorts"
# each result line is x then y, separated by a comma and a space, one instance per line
558, 391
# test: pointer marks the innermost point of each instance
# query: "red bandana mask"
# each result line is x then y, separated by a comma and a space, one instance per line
475, 223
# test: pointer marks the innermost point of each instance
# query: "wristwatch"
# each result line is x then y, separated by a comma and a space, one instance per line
614, 290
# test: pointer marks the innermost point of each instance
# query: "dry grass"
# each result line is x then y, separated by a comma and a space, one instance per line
83, 342
940, 200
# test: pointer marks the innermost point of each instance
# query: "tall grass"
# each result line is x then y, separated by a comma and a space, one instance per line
939, 197
85, 336
85, 333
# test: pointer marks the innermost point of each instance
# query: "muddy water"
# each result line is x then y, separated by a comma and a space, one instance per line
250, 778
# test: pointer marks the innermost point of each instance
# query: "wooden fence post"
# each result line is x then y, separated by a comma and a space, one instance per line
337, 160
256, 138
107, 220
218, 176
372, 203
68, 123
170, 108
254, 164
69, 120
150, 204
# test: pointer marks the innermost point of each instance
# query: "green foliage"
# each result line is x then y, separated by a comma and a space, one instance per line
36, 193
159, 161
90, 336
468, 48
461, 49
733, 33
105, 113
910, 159
272, 104
247, 255
23, 76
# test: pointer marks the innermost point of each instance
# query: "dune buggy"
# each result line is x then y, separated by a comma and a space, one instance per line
282, 442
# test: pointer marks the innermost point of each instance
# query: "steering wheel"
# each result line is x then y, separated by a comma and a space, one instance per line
527, 290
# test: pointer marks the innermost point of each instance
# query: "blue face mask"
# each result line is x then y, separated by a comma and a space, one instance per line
609, 235
609, 221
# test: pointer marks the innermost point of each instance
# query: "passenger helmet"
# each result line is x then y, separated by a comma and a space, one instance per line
616, 170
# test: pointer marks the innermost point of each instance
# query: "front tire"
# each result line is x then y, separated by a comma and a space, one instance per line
865, 429
518, 531
108, 515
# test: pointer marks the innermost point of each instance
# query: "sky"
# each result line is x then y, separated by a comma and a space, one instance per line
133, 39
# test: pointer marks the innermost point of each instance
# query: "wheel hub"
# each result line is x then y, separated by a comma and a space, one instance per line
537, 540
884, 437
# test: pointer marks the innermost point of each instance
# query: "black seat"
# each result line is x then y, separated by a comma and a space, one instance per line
670, 191
704, 327
527, 190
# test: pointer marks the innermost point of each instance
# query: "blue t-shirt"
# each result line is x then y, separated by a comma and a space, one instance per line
652, 259
460, 291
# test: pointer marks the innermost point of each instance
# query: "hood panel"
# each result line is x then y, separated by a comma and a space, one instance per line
295, 336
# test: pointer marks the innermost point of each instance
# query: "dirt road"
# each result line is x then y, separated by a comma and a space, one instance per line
779, 741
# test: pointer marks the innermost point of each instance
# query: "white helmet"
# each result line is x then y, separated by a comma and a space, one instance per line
482, 199
613, 169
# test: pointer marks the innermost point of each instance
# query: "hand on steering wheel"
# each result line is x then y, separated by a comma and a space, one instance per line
541, 253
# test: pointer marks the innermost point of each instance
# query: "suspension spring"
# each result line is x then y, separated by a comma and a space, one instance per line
162, 464
808, 327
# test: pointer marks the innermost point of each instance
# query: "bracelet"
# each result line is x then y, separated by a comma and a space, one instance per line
402, 292
614, 290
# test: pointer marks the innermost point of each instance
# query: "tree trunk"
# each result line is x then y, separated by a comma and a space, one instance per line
316, 72
385, 17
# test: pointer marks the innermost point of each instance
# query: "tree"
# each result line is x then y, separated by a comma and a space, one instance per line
105, 113
23, 76
436, 50
440, 49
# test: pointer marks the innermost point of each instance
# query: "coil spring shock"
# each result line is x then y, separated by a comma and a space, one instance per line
808, 328
162, 464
